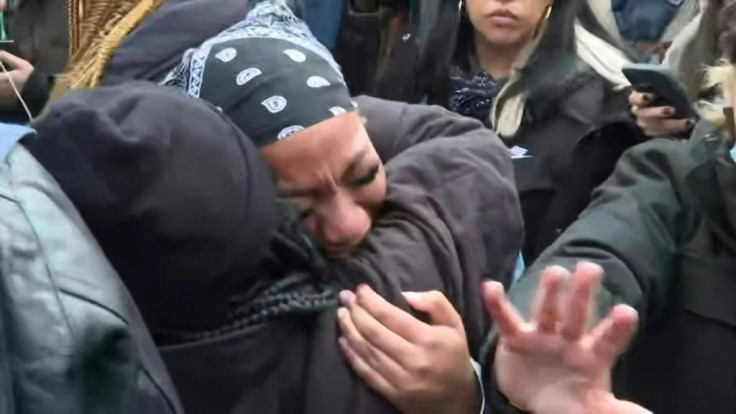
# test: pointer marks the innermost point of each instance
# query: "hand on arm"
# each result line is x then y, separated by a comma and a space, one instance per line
419, 367
552, 364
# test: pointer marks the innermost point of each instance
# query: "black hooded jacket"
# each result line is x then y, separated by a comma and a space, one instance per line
157, 45
174, 212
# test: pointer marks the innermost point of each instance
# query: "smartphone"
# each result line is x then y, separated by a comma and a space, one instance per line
662, 84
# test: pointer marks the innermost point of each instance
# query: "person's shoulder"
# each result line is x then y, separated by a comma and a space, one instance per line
675, 158
585, 94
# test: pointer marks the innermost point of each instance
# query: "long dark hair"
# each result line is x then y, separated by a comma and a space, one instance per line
450, 42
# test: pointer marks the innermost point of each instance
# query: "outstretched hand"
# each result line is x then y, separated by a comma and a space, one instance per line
553, 363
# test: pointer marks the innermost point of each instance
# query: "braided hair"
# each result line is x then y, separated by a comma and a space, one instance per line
295, 282
96, 29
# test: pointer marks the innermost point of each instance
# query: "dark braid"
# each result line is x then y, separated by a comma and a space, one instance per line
302, 293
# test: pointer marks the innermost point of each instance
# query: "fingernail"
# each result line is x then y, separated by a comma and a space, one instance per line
412, 296
495, 287
346, 297
343, 343
558, 270
669, 111
342, 313
589, 268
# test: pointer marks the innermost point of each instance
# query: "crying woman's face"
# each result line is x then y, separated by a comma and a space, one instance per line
333, 176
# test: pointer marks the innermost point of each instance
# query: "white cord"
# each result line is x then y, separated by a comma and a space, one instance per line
17, 92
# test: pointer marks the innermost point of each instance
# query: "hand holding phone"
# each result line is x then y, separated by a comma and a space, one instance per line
659, 102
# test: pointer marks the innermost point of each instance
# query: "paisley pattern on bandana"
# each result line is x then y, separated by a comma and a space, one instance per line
268, 73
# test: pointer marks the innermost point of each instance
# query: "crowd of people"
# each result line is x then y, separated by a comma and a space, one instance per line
318, 206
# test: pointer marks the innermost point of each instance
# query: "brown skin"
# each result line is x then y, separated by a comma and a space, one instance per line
552, 364
333, 176
420, 368
503, 28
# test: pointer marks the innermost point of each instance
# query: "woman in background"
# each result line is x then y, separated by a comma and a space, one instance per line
521, 68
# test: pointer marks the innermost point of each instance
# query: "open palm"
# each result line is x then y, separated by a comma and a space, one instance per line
553, 363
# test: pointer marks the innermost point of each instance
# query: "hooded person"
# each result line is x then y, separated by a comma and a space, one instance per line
238, 299
526, 70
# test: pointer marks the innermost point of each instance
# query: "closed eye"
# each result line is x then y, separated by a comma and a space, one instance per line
367, 178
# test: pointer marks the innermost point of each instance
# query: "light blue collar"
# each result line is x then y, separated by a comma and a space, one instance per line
733, 153
9, 135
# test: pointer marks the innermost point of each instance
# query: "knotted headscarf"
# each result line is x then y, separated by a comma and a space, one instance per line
268, 73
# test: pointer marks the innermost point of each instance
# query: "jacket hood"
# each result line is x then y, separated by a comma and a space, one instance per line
176, 195
157, 45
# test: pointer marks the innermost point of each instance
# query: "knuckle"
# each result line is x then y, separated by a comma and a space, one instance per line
368, 330
372, 356
435, 296
428, 340
421, 367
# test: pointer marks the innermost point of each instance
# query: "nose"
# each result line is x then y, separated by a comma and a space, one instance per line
343, 223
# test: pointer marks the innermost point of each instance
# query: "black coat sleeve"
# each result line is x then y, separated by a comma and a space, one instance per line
36, 91
630, 229
35, 94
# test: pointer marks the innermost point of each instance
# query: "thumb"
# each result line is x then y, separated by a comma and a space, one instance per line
436, 305
13, 62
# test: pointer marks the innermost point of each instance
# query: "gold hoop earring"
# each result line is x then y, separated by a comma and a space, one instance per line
543, 22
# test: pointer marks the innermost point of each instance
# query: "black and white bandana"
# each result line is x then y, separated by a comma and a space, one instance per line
268, 73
